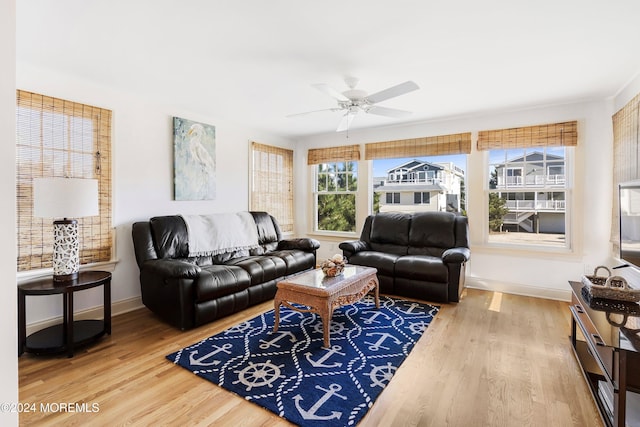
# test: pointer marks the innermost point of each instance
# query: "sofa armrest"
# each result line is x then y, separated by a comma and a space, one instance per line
351, 247
305, 244
456, 255
173, 268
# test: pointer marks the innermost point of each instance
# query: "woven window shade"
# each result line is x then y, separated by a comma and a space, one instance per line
459, 143
626, 157
555, 134
343, 153
272, 183
58, 138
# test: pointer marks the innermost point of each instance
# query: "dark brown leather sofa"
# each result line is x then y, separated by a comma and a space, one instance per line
421, 255
191, 291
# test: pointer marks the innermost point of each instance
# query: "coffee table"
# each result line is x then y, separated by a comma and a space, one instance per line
324, 294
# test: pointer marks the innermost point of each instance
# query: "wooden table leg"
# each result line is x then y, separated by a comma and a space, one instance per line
377, 293
276, 310
22, 322
326, 329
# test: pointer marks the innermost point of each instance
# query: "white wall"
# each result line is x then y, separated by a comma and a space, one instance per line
143, 172
8, 292
516, 271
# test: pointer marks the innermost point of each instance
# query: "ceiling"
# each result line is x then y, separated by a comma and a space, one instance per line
253, 61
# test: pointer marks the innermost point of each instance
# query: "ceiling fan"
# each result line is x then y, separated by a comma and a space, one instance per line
353, 101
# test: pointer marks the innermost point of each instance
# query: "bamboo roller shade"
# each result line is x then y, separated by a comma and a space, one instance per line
58, 138
626, 156
555, 134
416, 147
343, 153
272, 183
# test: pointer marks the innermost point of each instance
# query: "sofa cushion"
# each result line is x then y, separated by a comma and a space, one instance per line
215, 281
384, 262
390, 233
268, 233
422, 267
261, 268
296, 260
170, 236
432, 229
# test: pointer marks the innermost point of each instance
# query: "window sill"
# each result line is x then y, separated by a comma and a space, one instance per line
24, 276
528, 251
337, 235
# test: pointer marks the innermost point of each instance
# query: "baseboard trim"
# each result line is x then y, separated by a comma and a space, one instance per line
518, 289
117, 308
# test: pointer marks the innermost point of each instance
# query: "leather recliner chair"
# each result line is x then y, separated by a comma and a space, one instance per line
421, 255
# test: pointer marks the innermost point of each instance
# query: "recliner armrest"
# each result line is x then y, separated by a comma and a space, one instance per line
351, 247
456, 255
171, 268
306, 244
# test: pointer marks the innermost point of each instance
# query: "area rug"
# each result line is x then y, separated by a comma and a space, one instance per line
292, 375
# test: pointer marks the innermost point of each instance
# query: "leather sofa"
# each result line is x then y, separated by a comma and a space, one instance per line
187, 291
421, 255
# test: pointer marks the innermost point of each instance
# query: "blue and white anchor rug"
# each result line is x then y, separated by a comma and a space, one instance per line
292, 375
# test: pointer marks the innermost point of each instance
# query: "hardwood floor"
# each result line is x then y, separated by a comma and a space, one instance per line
491, 360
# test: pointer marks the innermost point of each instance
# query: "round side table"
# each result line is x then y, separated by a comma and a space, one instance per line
70, 334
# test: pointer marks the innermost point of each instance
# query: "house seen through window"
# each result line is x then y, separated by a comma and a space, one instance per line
528, 196
432, 183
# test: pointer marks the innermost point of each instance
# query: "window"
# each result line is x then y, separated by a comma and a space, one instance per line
272, 183
335, 189
528, 196
432, 183
421, 198
58, 138
393, 198
426, 173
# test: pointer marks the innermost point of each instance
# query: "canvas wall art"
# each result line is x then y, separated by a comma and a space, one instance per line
194, 160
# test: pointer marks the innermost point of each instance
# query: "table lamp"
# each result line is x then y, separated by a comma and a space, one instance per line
65, 198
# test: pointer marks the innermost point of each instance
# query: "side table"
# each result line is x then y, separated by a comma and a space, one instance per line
66, 336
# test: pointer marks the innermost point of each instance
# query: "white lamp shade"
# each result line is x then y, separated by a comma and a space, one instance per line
65, 197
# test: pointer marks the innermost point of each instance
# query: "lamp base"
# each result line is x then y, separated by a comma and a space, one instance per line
66, 250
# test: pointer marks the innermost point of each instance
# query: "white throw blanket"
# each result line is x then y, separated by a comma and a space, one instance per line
220, 233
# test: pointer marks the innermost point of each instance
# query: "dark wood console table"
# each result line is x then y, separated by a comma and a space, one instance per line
69, 334
606, 343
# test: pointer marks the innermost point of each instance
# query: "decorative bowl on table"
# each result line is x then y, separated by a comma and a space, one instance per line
333, 266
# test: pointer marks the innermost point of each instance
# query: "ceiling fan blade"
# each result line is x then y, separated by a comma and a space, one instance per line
324, 88
392, 92
389, 112
314, 111
345, 123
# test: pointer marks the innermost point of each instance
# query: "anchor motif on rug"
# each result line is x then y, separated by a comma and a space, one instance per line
310, 414
281, 334
375, 346
284, 318
199, 361
374, 315
335, 349
412, 306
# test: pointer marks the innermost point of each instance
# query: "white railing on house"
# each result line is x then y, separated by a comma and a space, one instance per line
536, 205
531, 181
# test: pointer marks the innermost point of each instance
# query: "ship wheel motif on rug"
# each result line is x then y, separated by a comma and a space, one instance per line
289, 372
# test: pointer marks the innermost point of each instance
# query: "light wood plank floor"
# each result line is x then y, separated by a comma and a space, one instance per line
491, 360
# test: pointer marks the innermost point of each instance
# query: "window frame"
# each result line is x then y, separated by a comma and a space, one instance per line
547, 188
73, 153
348, 190
271, 183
